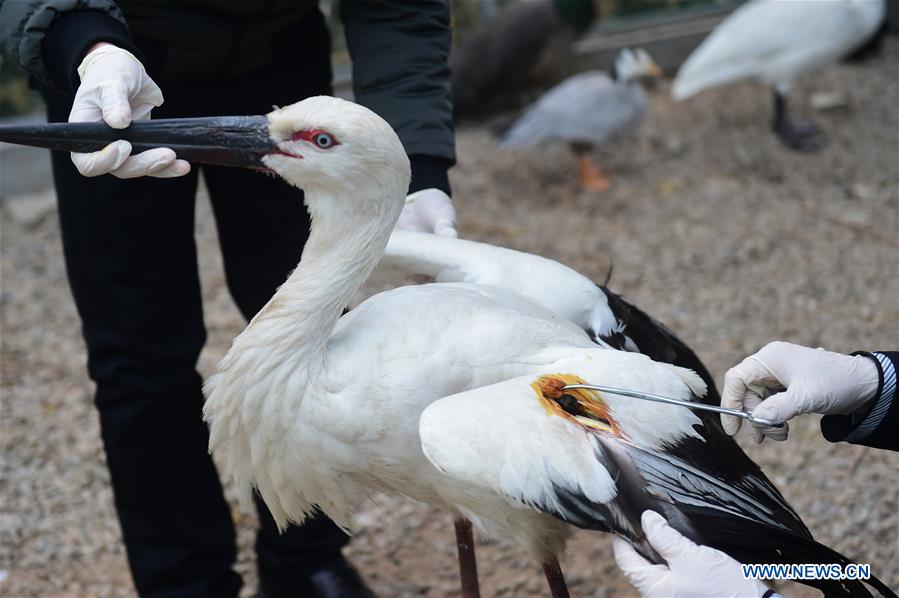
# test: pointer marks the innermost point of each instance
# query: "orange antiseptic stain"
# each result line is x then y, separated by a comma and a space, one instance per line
552, 388
549, 389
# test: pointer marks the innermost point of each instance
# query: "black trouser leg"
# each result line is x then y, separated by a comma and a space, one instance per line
131, 260
132, 266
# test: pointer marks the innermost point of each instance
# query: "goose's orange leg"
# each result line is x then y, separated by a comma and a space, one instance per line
591, 175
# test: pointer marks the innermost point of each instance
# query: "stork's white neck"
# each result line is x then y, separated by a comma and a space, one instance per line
344, 245
274, 365
277, 366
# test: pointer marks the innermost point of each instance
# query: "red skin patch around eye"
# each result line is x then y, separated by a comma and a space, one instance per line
310, 136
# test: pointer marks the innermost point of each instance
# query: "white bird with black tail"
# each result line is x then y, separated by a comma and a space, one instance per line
777, 42
587, 110
451, 393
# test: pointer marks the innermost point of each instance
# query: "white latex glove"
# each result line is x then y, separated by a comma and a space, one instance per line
429, 211
816, 381
692, 570
115, 88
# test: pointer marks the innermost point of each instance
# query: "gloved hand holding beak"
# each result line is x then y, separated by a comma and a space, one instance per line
115, 88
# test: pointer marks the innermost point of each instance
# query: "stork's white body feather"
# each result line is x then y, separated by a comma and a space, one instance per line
777, 42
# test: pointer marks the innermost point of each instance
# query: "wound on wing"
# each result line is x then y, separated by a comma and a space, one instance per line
581, 406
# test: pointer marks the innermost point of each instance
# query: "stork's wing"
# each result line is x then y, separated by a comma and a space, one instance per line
605, 316
546, 282
601, 470
747, 517
638, 331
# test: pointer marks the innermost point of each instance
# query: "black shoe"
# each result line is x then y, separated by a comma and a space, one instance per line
334, 579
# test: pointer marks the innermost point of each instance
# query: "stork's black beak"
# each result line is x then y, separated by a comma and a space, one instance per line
239, 141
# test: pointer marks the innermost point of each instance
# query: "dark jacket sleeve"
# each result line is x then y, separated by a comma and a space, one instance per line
49, 38
877, 425
400, 51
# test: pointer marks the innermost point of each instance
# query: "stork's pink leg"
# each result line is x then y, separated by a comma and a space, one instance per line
555, 579
468, 565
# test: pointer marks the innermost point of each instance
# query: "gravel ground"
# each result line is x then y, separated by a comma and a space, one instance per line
712, 227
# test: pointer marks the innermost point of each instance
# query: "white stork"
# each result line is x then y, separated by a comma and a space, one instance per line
777, 42
450, 393
319, 411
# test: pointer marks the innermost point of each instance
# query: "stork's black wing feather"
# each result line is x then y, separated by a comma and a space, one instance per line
713, 493
654, 339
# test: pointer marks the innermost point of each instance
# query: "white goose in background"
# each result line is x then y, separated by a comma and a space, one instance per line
605, 316
450, 393
777, 42
587, 110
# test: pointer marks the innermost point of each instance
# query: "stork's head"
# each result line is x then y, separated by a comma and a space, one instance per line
635, 64
333, 145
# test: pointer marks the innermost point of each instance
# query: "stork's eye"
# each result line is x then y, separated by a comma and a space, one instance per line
323, 140
320, 139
